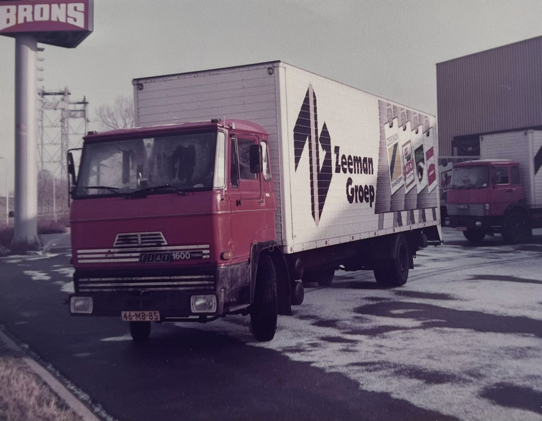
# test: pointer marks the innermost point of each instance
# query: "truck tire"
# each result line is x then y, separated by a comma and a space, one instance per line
264, 309
394, 272
298, 294
323, 277
514, 228
474, 236
140, 331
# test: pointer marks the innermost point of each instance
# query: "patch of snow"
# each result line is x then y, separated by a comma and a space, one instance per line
68, 288
65, 271
126, 337
37, 275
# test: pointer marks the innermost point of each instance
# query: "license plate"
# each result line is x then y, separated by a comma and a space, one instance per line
462, 206
140, 316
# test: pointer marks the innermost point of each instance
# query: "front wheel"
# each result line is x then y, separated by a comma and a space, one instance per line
474, 236
264, 309
394, 272
140, 331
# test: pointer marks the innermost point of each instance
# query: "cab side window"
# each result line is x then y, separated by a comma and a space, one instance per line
500, 175
234, 164
266, 170
243, 146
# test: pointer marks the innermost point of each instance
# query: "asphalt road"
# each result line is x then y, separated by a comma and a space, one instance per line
462, 340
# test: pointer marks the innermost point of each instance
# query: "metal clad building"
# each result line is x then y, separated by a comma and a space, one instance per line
490, 91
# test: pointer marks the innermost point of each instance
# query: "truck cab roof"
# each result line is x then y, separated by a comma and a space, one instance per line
486, 162
166, 129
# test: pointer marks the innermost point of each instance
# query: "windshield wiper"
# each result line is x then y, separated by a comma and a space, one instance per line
144, 192
111, 189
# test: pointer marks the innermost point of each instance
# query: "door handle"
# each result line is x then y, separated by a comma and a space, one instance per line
509, 190
261, 201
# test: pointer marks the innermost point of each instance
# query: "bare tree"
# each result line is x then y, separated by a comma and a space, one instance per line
118, 116
52, 194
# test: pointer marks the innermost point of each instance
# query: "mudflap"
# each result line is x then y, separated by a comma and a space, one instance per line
284, 305
283, 285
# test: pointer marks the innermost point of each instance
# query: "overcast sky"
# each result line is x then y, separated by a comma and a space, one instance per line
386, 47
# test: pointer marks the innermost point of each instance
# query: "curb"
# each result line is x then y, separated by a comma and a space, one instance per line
57, 387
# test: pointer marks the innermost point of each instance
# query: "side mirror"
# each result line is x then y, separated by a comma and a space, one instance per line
255, 159
72, 177
71, 170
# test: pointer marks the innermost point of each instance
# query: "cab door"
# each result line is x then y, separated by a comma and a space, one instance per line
515, 184
247, 200
503, 191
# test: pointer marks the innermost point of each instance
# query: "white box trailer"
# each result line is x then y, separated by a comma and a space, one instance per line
525, 147
347, 165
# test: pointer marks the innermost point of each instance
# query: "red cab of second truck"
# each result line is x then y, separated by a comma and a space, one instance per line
487, 196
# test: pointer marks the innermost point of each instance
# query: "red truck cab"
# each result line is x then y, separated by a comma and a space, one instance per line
177, 223
487, 196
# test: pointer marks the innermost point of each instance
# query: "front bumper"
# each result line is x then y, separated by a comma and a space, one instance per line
168, 291
488, 223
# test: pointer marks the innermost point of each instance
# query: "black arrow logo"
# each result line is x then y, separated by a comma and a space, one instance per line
306, 131
538, 161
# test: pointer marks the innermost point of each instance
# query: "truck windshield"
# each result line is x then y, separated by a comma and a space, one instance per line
475, 177
182, 162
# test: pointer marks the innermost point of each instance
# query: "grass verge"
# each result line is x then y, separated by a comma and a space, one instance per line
24, 396
45, 226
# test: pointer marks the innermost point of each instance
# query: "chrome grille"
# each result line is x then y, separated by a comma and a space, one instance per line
147, 283
135, 239
471, 209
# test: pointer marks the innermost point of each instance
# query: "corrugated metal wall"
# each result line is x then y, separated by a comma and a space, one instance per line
491, 91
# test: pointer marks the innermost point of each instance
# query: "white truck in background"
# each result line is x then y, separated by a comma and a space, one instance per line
502, 191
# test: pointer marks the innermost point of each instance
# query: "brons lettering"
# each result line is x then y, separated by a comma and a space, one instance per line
71, 13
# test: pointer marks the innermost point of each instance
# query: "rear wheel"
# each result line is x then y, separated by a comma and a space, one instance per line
140, 331
264, 309
394, 272
515, 227
474, 236
298, 294
323, 277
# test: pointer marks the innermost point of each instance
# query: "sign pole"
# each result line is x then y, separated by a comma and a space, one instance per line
25, 235
63, 23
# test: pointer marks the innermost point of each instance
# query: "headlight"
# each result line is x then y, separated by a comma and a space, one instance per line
81, 305
203, 303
